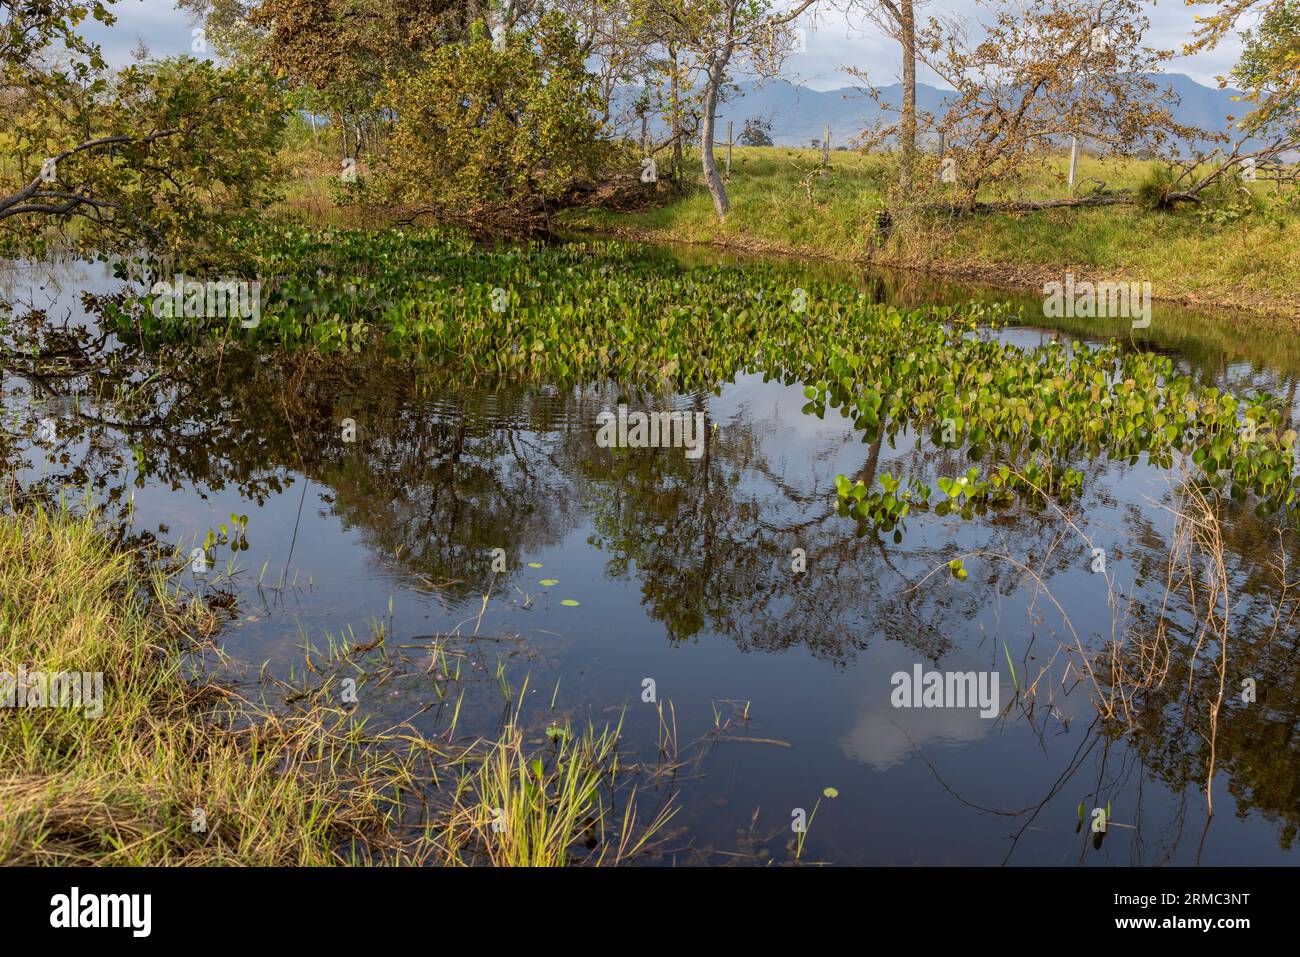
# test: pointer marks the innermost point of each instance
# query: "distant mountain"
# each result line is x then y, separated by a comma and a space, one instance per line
798, 114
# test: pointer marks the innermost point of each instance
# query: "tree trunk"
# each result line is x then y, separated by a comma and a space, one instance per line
339, 123
721, 203
676, 110
907, 128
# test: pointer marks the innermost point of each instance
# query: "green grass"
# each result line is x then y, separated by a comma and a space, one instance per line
307, 785
530, 810
123, 788
770, 206
781, 204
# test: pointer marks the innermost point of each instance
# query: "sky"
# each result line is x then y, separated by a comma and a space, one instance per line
833, 42
836, 41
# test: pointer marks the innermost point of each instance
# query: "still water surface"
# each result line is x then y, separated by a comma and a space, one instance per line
682, 573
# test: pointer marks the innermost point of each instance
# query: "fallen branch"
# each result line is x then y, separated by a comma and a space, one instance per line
1035, 205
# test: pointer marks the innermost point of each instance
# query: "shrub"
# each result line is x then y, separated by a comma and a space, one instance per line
480, 127
1154, 191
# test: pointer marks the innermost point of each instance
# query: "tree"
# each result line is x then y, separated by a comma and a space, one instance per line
1269, 70
715, 32
672, 74
342, 52
669, 72
228, 27
1044, 72
897, 18
757, 132
607, 40
157, 152
1272, 71
482, 130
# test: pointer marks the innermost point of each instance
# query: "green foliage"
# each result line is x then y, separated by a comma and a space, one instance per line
191, 142
1228, 202
30, 31
1269, 69
1029, 419
153, 152
337, 52
483, 127
1154, 191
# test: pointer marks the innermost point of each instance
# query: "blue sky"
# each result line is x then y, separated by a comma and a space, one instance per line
833, 42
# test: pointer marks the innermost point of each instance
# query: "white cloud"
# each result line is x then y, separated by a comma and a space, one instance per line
883, 736
835, 41
164, 30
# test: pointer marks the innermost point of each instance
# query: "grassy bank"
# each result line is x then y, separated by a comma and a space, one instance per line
166, 768
1225, 257
165, 774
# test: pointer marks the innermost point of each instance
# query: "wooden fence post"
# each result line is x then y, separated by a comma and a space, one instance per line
729, 139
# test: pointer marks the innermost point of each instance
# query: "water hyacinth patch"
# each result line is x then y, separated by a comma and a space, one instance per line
1029, 419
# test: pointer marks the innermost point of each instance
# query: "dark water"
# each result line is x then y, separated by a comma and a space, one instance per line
779, 681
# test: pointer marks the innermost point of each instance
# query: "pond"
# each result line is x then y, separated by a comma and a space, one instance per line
745, 632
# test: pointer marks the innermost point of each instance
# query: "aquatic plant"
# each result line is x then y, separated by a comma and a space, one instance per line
1030, 419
